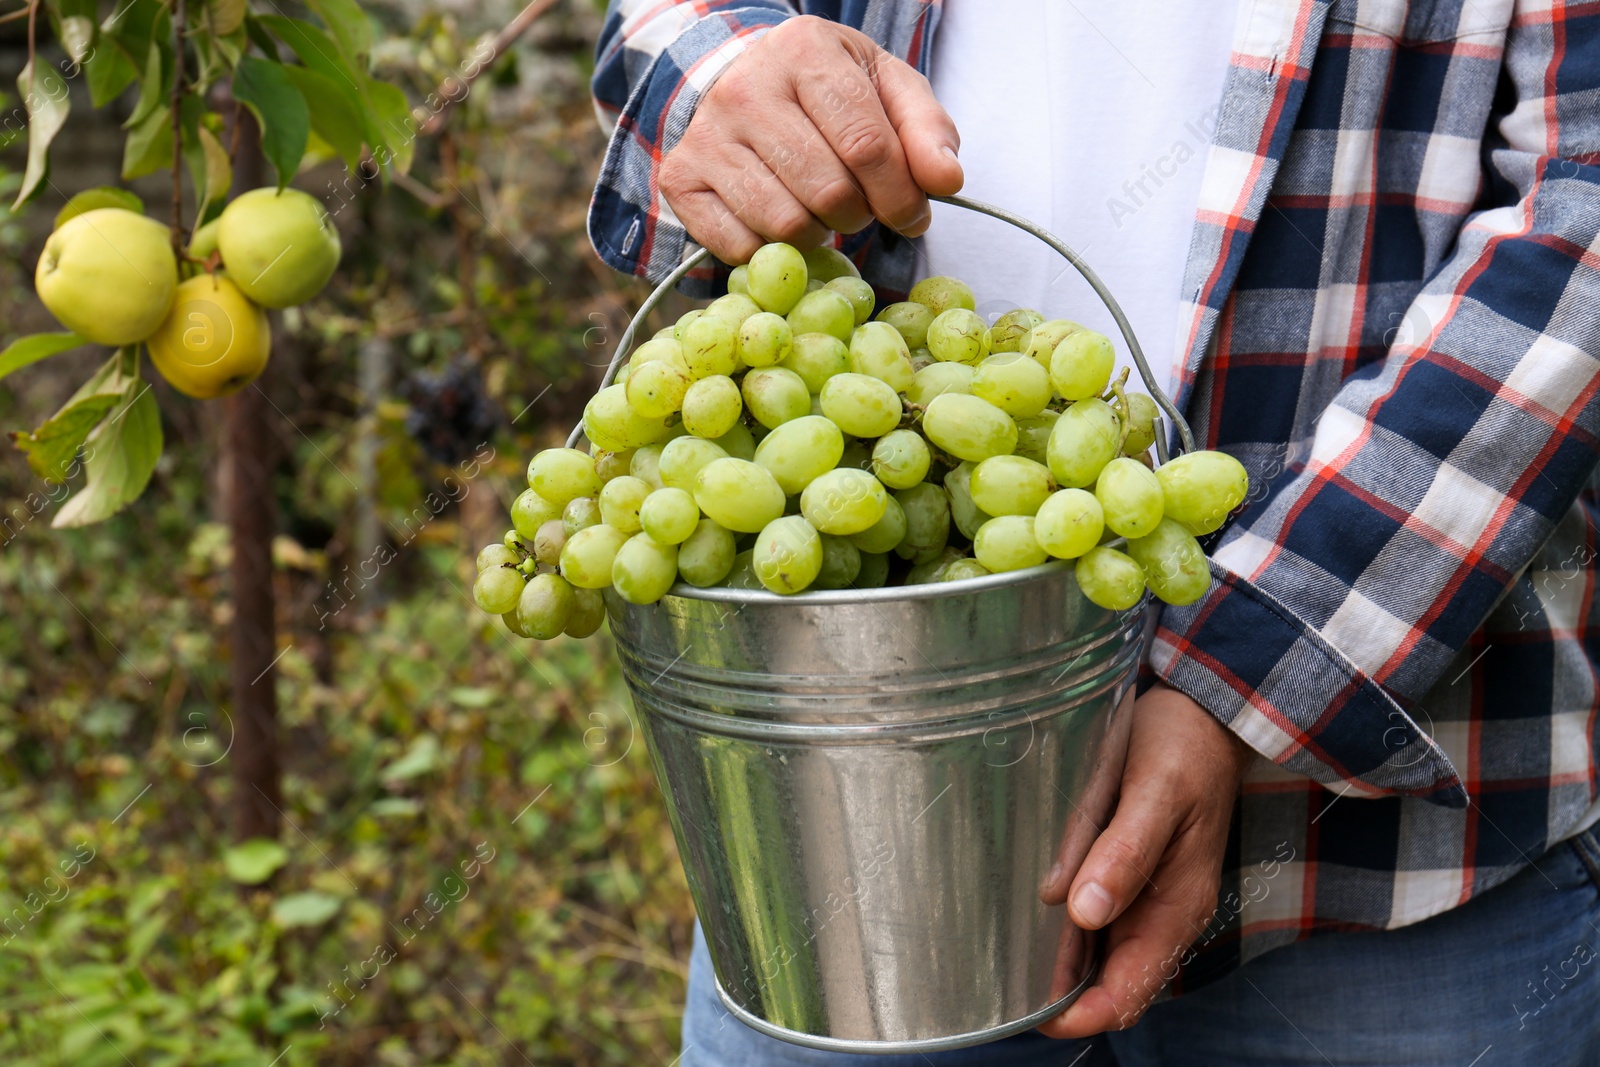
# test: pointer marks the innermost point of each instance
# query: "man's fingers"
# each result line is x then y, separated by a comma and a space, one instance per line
927, 133
762, 202
851, 119
1122, 858
713, 224
798, 153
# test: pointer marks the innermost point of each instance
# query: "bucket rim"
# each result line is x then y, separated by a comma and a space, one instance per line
883, 594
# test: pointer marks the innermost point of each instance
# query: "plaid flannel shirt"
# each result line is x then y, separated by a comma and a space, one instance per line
1391, 315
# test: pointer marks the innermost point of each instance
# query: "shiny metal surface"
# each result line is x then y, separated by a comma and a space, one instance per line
870, 790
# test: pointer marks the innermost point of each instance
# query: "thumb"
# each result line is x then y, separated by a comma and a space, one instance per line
1122, 859
927, 133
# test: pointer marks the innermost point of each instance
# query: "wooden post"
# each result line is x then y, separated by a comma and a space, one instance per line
252, 522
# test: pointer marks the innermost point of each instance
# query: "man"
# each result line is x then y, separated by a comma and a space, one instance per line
1356, 823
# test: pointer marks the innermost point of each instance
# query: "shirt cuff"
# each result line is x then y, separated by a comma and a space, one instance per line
1266, 675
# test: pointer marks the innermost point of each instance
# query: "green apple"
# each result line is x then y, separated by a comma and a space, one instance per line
108, 275
280, 247
214, 341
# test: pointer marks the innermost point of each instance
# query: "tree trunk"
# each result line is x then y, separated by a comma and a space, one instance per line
252, 522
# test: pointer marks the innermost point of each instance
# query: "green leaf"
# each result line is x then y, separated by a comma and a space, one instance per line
149, 145
120, 455
405, 807
254, 861
73, 21
110, 71
266, 90
315, 49
420, 758
51, 447
260, 37
93, 199
394, 127
26, 350
305, 909
226, 15
45, 96
154, 84
334, 116
350, 27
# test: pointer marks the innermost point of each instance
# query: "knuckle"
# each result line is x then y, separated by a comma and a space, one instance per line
865, 146
790, 224
836, 198
1124, 855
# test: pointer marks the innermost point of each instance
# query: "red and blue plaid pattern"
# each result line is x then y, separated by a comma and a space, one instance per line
1391, 316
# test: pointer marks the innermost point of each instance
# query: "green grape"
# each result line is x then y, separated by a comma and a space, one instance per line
930, 570
887, 533
498, 555
921, 357
841, 562
1043, 338
824, 264
1006, 543
738, 494
560, 474
900, 459
588, 613
800, 450
646, 465
1081, 365
644, 569
1131, 497
911, 319
813, 284
1142, 412
684, 322
1033, 435
742, 575
958, 336
655, 390
1010, 485
859, 293
738, 442
878, 350
1174, 564
707, 555
712, 406
1013, 383
844, 501
580, 514
968, 427
659, 350
624, 372
777, 277
669, 515
823, 311
940, 294
775, 395
1011, 331
666, 331
927, 511
610, 422
1084, 439
497, 589
513, 541
529, 567
966, 514
765, 340
856, 455
938, 378
816, 358
1069, 523
514, 624
1201, 489
739, 280
621, 498
549, 541
874, 573
956, 570
610, 465
531, 511
733, 309
788, 555
861, 405
1110, 579
545, 606
682, 459
586, 557
711, 347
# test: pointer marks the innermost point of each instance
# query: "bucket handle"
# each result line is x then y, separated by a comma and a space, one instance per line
1158, 394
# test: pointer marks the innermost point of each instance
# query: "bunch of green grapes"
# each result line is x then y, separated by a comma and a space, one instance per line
784, 438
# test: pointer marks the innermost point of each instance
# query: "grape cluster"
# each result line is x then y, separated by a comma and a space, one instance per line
784, 439
451, 412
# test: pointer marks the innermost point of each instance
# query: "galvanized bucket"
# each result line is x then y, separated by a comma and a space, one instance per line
875, 791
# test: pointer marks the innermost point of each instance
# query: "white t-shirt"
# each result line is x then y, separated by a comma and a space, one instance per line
1091, 118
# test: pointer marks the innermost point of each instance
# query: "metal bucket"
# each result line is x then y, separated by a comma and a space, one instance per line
870, 790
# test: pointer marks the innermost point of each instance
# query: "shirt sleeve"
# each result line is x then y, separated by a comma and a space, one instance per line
653, 63
1346, 590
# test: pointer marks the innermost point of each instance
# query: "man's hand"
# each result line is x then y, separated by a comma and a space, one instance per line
1152, 875
815, 128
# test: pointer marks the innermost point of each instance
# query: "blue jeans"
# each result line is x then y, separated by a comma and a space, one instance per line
1510, 978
